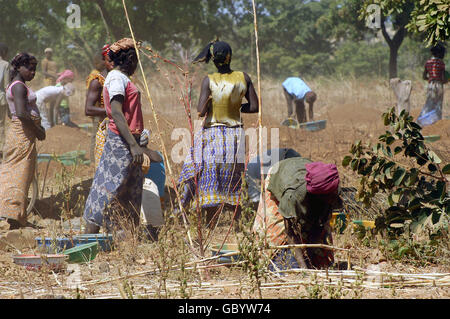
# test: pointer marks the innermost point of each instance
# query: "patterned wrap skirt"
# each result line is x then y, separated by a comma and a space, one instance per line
116, 192
18, 170
432, 110
218, 161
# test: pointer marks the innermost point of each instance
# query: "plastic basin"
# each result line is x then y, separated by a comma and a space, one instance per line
82, 253
314, 126
369, 224
54, 245
339, 220
227, 248
105, 242
37, 262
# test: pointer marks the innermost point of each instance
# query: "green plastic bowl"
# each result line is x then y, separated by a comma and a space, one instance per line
82, 253
432, 138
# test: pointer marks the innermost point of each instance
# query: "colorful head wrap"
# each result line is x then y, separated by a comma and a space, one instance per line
321, 178
219, 51
123, 44
105, 49
65, 75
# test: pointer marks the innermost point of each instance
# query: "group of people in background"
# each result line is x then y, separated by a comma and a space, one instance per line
300, 194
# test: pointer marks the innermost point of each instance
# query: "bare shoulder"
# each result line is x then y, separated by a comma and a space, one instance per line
247, 78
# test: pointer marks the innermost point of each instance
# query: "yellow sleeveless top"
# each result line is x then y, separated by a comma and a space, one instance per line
96, 75
227, 92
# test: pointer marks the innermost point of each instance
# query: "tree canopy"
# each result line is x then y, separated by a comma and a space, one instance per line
303, 37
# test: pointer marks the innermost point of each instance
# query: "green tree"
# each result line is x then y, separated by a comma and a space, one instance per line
431, 17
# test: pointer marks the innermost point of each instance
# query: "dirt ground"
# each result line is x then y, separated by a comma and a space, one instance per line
137, 269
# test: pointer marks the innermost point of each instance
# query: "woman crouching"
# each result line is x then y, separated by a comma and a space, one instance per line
300, 197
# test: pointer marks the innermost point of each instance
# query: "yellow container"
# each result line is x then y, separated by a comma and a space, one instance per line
369, 224
339, 220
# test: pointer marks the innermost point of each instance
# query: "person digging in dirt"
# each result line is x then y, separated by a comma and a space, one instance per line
18, 168
297, 92
94, 106
116, 193
60, 112
219, 148
53, 95
434, 73
300, 196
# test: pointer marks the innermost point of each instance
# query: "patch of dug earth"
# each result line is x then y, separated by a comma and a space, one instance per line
62, 139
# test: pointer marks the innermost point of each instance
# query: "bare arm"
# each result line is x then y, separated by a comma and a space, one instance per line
6, 77
205, 98
93, 95
253, 104
425, 74
153, 155
444, 78
122, 126
20, 100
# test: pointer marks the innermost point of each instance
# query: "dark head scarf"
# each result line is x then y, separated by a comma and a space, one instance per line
219, 51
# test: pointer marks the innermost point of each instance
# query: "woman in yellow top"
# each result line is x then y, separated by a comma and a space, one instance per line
95, 106
218, 157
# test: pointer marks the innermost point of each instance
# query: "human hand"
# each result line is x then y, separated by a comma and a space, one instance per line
40, 133
138, 154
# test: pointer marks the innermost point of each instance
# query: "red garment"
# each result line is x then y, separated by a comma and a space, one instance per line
435, 68
321, 178
132, 109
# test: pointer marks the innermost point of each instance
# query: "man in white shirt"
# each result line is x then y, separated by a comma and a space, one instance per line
4, 82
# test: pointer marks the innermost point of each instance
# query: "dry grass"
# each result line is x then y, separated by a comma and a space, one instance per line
172, 268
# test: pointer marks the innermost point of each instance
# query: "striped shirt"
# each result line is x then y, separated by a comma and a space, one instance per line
435, 68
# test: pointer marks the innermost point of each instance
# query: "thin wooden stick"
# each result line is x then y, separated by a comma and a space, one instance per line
258, 68
154, 112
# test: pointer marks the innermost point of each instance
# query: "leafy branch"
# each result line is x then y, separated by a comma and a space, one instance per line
416, 192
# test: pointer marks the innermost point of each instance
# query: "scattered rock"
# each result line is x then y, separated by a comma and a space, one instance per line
4, 225
103, 267
141, 261
19, 239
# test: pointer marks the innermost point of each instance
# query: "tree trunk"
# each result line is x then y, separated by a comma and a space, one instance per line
394, 45
393, 54
116, 32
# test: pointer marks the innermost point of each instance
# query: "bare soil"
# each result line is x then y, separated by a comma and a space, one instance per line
353, 112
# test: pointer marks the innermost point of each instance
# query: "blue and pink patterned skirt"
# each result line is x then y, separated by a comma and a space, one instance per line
218, 161
117, 187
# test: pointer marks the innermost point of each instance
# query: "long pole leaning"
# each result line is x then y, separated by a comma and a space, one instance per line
149, 97
258, 70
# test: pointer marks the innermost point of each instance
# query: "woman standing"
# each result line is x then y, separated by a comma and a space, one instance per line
117, 187
18, 168
95, 106
217, 159
434, 73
